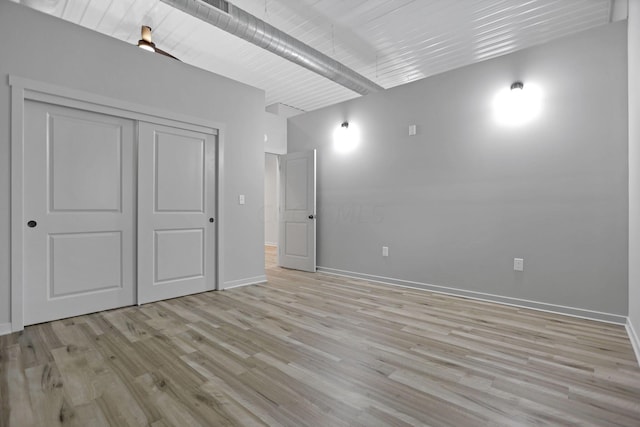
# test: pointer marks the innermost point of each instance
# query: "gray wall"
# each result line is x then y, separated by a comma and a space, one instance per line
271, 199
68, 55
634, 168
456, 203
276, 133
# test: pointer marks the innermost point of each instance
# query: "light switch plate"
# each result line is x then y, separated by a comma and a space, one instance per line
241, 199
412, 130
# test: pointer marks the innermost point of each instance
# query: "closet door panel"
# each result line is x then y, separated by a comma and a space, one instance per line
79, 235
176, 217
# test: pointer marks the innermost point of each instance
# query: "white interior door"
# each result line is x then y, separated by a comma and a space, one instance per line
297, 243
79, 208
176, 212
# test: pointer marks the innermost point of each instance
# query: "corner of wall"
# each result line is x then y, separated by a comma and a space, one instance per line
633, 61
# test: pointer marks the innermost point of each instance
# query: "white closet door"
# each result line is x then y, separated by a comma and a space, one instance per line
176, 212
79, 208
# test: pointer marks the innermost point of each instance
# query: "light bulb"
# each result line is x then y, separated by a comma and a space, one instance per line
346, 138
146, 47
517, 105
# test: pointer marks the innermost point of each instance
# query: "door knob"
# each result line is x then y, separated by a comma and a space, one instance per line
31, 224
211, 219
311, 216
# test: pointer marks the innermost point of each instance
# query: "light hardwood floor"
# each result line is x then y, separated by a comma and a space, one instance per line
318, 350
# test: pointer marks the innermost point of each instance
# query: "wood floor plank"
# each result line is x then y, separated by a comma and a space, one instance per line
45, 393
173, 411
319, 350
5, 410
88, 414
118, 405
20, 410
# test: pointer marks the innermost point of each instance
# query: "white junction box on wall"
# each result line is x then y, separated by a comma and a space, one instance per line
518, 264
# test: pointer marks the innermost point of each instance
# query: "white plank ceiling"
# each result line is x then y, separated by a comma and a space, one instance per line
391, 42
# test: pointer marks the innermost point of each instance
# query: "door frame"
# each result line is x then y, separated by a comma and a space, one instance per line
23, 89
277, 201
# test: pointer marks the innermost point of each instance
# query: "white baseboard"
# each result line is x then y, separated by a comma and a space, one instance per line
5, 328
245, 282
481, 296
271, 244
633, 337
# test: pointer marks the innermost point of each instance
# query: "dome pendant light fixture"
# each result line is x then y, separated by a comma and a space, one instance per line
146, 43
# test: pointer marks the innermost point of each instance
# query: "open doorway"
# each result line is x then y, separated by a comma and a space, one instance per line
290, 210
271, 231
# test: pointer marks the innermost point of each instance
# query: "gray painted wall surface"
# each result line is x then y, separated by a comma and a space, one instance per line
271, 199
456, 203
71, 56
634, 165
276, 133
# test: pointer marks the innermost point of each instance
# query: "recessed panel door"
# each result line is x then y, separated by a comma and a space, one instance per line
79, 226
297, 244
176, 212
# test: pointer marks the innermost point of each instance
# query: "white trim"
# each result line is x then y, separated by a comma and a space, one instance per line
481, 296
633, 337
26, 89
222, 132
245, 282
17, 219
272, 244
46, 92
5, 328
278, 199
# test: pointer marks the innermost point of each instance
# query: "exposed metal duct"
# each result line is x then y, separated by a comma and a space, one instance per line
238, 22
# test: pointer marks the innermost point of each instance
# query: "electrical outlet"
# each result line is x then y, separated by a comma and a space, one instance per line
412, 130
518, 264
241, 199
385, 251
